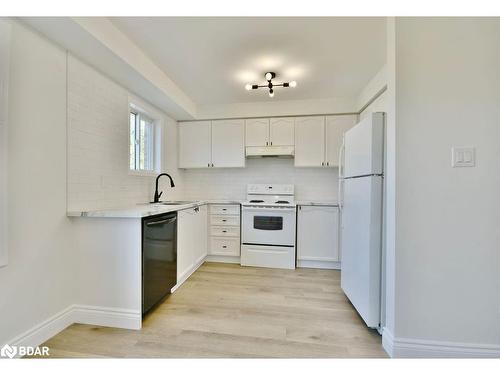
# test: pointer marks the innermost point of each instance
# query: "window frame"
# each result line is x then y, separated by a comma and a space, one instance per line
139, 107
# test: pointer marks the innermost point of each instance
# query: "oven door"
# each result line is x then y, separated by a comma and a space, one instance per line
268, 226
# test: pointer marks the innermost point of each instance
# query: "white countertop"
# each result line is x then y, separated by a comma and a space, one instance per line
144, 210
316, 203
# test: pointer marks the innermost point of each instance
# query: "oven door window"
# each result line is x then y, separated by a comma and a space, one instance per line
268, 222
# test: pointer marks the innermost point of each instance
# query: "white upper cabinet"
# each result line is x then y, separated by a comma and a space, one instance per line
336, 126
194, 144
318, 139
310, 141
228, 143
315, 140
281, 131
263, 132
257, 132
208, 144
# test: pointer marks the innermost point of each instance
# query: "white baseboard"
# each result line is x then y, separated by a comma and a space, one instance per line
387, 342
94, 315
223, 259
107, 317
45, 330
417, 348
318, 264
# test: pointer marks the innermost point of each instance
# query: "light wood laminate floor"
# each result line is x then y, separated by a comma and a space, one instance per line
228, 311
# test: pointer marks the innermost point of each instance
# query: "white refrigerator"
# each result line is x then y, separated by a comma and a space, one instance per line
361, 194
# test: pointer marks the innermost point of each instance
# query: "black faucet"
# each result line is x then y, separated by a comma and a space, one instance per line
157, 196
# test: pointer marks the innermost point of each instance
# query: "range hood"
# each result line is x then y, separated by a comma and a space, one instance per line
270, 151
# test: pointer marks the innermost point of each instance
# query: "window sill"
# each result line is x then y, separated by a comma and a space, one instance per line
132, 172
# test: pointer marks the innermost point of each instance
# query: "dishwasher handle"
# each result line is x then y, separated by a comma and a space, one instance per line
159, 222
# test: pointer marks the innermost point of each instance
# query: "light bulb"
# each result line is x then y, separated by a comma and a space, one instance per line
248, 87
269, 76
271, 93
293, 84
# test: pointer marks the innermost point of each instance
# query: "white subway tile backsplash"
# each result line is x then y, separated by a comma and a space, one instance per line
230, 183
98, 172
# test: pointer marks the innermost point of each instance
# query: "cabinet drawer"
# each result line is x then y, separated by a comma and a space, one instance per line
225, 246
225, 231
225, 209
224, 220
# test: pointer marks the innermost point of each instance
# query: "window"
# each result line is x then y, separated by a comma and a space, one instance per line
142, 141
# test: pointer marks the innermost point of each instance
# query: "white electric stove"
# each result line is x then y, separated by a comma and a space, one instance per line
268, 226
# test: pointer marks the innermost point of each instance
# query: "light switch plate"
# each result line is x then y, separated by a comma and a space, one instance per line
463, 157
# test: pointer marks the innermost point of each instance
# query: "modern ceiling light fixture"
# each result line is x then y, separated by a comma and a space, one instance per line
270, 85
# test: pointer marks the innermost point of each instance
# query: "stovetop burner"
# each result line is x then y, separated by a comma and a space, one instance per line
282, 202
256, 201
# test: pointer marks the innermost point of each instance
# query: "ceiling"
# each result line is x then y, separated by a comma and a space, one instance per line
211, 59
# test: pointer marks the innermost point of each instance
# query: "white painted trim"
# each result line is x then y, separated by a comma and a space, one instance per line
40, 333
187, 274
94, 315
307, 263
387, 342
418, 348
107, 317
140, 105
223, 259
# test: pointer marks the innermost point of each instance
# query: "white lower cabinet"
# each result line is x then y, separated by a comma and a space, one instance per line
224, 231
318, 237
192, 240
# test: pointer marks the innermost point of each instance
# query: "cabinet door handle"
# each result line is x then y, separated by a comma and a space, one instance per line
224, 220
224, 231
208, 165
323, 163
327, 163
224, 209
224, 246
212, 165
271, 143
267, 143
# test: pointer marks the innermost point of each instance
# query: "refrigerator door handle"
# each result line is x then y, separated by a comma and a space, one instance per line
341, 176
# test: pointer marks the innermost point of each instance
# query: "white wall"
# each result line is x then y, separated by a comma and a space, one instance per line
389, 268
378, 105
447, 245
223, 183
372, 88
5, 30
38, 280
98, 144
376, 83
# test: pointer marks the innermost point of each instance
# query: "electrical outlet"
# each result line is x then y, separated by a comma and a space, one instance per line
463, 157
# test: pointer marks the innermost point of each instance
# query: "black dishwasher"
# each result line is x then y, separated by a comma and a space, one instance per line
159, 258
